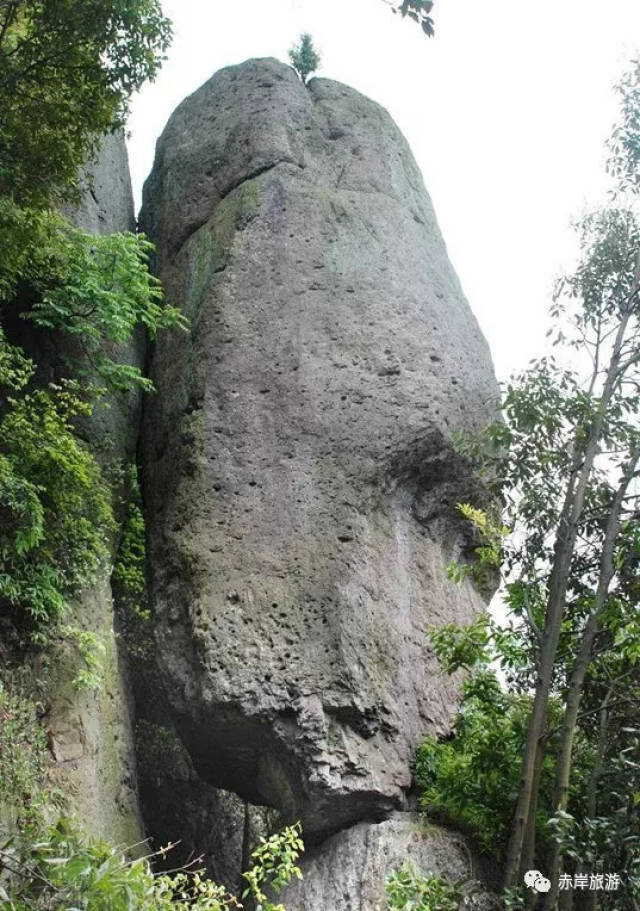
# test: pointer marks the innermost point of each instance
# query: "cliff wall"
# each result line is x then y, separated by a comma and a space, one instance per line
299, 472
91, 733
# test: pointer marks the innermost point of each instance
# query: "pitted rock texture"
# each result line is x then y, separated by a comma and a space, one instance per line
299, 473
349, 871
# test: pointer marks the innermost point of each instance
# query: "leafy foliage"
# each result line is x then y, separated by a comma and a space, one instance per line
91, 652
44, 866
488, 552
128, 580
129, 571
420, 12
67, 71
24, 235
471, 779
624, 145
304, 57
56, 511
93, 289
409, 890
22, 758
564, 461
57, 866
97, 290
274, 866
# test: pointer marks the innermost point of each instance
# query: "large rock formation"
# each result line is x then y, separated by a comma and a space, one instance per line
91, 734
299, 473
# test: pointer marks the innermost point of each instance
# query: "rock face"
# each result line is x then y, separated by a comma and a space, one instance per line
349, 871
107, 203
91, 734
298, 467
179, 807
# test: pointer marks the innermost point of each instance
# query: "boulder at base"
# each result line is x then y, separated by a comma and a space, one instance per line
349, 872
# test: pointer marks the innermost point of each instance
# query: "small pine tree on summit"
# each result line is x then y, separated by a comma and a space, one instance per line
304, 57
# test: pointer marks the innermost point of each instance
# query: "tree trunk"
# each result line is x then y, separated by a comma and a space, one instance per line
529, 846
594, 778
245, 862
563, 553
563, 766
574, 695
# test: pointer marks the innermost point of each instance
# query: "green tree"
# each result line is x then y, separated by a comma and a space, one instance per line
57, 522
56, 512
304, 57
577, 438
67, 71
565, 460
470, 780
96, 290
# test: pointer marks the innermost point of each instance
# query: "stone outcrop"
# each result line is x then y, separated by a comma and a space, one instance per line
299, 472
91, 734
106, 205
349, 871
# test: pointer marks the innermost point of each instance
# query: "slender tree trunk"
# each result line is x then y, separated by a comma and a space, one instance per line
522, 820
529, 846
563, 553
576, 684
563, 767
245, 861
594, 778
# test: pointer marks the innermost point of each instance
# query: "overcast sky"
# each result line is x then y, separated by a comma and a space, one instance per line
506, 111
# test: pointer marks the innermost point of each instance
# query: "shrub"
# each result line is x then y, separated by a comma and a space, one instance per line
409, 890
304, 57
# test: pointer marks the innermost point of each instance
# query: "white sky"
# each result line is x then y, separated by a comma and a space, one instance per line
506, 111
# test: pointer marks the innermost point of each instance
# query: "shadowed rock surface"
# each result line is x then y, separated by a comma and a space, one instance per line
349, 871
298, 468
90, 734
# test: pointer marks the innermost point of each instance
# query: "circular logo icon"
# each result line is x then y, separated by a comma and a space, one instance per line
535, 880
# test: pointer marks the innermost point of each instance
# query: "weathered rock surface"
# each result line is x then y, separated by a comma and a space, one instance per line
299, 473
91, 734
107, 203
349, 871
